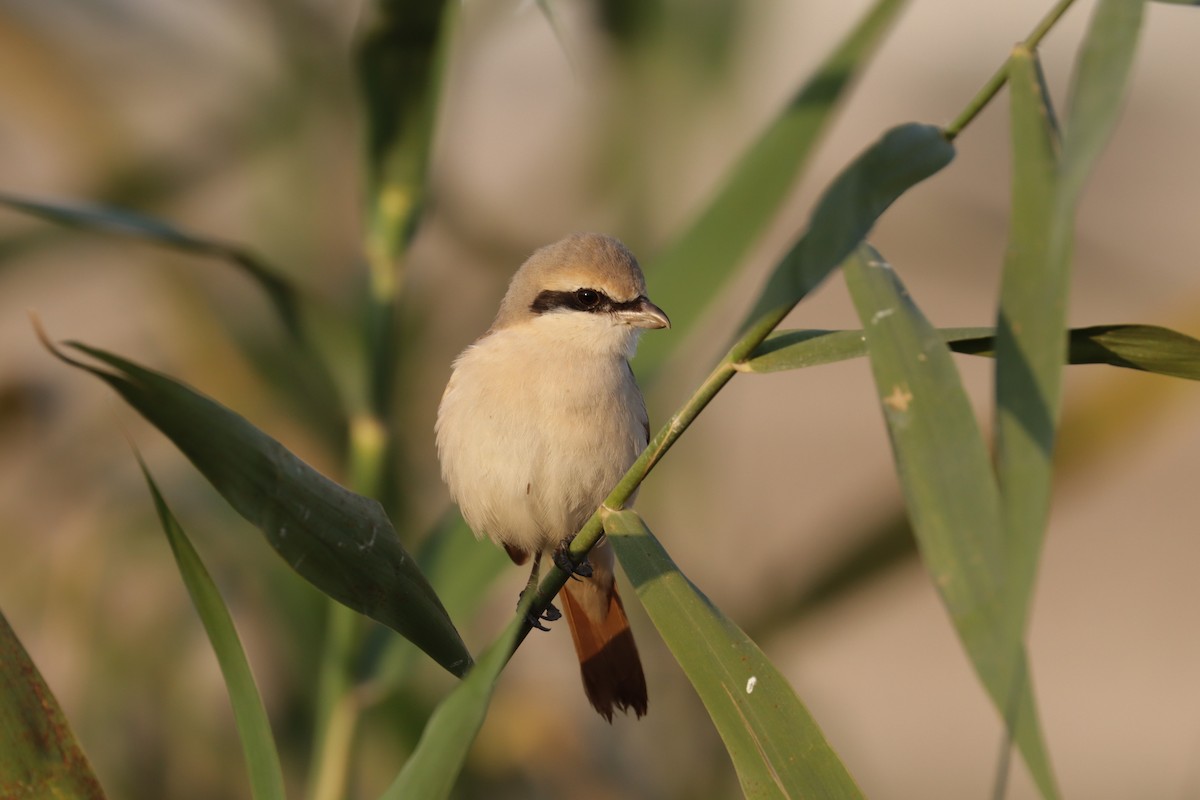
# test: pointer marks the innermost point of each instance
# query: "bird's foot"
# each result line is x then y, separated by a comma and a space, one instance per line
562, 560
550, 614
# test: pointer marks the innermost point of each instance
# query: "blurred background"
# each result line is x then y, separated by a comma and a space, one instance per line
241, 122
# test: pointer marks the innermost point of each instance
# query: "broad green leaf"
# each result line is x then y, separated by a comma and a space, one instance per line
250, 716
846, 212
128, 223
431, 771
1148, 348
950, 490
1032, 320
689, 273
39, 757
776, 747
461, 570
340, 541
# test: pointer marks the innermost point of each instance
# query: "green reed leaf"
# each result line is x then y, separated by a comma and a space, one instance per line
950, 491
1030, 343
776, 746
39, 757
432, 770
690, 272
903, 157
249, 713
281, 293
341, 542
1148, 348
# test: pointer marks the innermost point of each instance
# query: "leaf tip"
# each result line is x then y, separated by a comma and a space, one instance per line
39, 330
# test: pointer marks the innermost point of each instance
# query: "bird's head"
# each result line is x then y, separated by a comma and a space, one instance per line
586, 289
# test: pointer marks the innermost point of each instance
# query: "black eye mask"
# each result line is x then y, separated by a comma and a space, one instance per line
591, 300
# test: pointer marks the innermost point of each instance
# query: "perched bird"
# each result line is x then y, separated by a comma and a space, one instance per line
539, 421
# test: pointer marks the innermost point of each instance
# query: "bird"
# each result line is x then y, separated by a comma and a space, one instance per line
540, 419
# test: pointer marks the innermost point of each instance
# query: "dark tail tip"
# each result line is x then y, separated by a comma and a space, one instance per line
613, 677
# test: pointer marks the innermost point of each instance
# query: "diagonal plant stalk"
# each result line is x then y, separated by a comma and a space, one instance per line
743, 349
679, 422
1000, 77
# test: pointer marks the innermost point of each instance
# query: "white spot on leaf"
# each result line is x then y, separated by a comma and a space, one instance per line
750, 684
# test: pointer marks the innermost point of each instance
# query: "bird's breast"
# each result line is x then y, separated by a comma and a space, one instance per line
532, 439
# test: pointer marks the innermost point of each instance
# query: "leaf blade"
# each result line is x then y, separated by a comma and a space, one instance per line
689, 272
281, 293
1102, 71
903, 157
777, 748
1146, 348
39, 756
433, 768
1031, 320
250, 715
951, 493
341, 542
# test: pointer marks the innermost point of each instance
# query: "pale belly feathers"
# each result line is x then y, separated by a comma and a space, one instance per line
530, 452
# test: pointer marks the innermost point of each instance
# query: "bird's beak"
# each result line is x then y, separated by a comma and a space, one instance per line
644, 314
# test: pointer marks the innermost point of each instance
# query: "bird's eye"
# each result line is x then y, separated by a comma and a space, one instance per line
588, 298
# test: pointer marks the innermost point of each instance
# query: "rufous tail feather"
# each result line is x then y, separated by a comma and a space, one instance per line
608, 657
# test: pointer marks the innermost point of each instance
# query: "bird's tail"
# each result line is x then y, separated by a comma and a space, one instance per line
608, 657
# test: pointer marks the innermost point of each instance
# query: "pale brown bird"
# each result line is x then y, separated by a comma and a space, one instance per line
539, 421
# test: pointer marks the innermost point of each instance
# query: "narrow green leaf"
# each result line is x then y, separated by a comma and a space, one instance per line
689, 273
342, 542
1098, 87
250, 716
104, 219
952, 498
39, 757
1147, 348
846, 212
797, 349
432, 770
1030, 342
1143, 347
308, 384
776, 747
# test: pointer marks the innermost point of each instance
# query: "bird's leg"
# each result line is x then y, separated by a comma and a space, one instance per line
551, 613
562, 560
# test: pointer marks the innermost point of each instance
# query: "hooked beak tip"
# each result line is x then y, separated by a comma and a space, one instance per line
649, 316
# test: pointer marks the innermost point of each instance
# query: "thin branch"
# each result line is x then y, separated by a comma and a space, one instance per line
1000, 77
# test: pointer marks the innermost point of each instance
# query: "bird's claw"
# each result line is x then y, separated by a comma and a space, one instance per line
562, 560
550, 614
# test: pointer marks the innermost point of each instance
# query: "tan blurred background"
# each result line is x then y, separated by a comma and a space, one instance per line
239, 121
